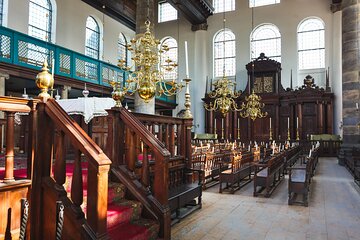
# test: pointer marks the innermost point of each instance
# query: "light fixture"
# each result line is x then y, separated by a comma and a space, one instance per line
224, 92
253, 105
148, 78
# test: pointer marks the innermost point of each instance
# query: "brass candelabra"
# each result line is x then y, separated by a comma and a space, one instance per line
187, 103
148, 78
252, 107
224, 95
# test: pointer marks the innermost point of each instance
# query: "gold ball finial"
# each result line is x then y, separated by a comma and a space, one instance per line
44, 81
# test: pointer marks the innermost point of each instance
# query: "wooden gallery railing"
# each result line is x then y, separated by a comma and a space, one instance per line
154, 148
50, 126
328, 148
14, 187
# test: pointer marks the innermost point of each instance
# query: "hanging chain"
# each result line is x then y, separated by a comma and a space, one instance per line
60, 219
24, 218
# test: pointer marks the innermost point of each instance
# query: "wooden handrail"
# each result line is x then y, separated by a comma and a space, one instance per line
125, 130
52, 118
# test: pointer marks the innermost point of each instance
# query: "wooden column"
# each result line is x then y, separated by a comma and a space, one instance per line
320, 117
329, 118
210, 121
9, 157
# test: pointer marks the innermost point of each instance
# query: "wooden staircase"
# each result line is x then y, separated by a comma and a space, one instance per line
98, 205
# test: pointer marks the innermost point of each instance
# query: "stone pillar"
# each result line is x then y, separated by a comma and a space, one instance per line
65, 92
198, 75
350, 76
144, 10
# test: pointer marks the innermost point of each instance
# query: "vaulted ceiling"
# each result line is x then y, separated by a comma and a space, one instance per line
195, 11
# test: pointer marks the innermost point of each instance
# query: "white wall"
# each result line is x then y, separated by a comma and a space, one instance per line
70, 25
286, 16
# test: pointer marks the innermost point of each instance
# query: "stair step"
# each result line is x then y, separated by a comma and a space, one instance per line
123, 211
137, 230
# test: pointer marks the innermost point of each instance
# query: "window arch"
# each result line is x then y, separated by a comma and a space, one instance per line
172, 54
92, 38
224, 53
122, 50
311, 43
266, 39
40, 19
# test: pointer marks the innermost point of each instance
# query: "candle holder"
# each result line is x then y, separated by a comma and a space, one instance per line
222, 133
187, 103
288, 135
238, 133
270, 133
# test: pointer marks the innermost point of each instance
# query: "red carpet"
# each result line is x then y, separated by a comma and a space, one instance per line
124, 219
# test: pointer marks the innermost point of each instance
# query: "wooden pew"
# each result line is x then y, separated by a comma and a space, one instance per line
300, 179
241, 167
268, 176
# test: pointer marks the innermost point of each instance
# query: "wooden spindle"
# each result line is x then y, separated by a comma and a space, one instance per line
131, 150
167, 137
160, 133
9, 157
77, 182
60, 165
172, 140
145, 171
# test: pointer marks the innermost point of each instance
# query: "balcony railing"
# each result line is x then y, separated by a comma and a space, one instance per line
22, 50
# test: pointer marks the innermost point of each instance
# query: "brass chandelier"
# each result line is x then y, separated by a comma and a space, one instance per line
252, 107
148, 78
224, 95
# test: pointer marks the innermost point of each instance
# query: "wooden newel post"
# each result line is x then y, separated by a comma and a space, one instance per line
9, 157
115, 137
188, 154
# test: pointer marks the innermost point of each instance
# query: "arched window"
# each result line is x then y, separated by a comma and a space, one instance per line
311, 43
266, 39
172, 54
224, 53
92, 38
1, 11
122, 50
40, 19
223, 5
259, 3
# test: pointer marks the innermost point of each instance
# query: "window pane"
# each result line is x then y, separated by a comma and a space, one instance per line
92, 39
122, 51
258, 3
311, 44
223, 6
172, 54
224, 53
40, 19
266, 39
166, 12
1, 11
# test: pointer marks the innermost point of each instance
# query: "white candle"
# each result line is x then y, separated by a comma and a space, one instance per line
186, 60
288, 123
53, 67
270, 122
24, 91
222, 123
297, 122
238, 122
357, 105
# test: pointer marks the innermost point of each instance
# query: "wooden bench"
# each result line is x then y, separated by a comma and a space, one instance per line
241, 167
300, 179
268, 176
182, 193
291, 157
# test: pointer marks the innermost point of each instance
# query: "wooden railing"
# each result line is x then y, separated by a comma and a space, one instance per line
48, 126
128, 139
328, 148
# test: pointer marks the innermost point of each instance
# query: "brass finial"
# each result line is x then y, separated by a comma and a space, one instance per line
44, 81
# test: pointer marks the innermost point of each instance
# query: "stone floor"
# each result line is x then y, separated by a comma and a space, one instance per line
333, 212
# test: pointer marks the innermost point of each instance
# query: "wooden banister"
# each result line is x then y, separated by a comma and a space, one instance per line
51, 115
125, 131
